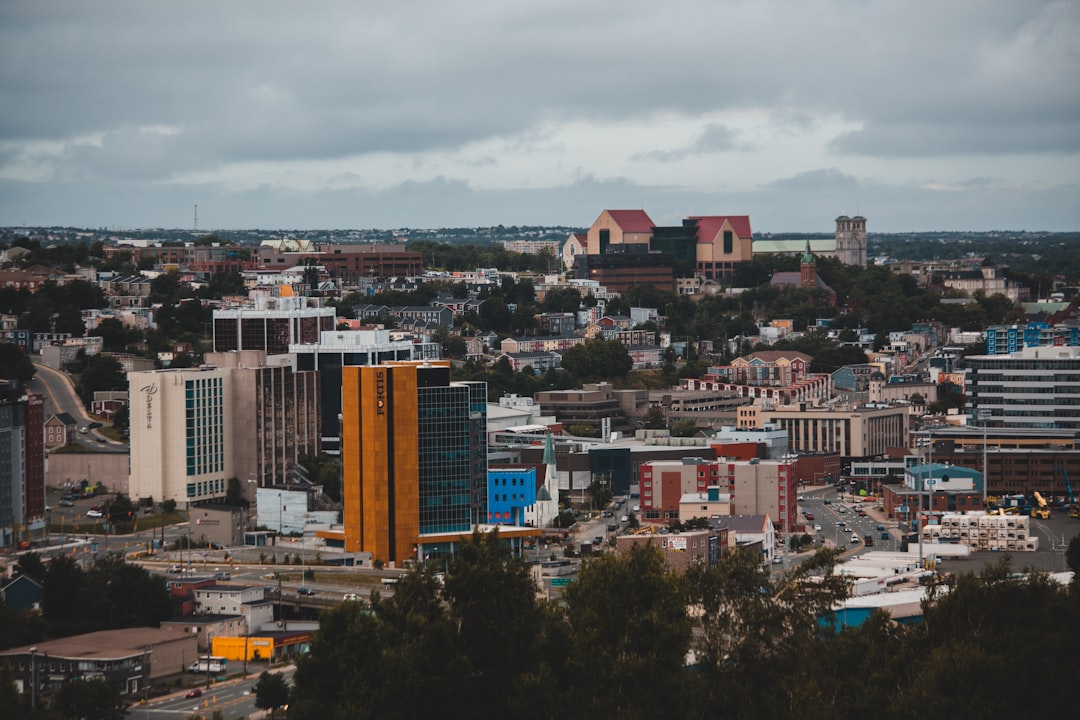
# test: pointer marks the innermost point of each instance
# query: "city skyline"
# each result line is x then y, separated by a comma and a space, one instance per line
919, 117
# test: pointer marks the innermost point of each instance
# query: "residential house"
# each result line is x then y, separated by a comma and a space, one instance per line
59, 430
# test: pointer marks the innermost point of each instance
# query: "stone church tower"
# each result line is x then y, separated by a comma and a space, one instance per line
851, 240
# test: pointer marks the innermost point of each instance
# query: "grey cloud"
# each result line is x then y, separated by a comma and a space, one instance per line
988, 137
714, 138
271, 80
448, 202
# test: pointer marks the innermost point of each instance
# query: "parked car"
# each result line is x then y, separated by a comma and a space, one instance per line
625, 518
612, 527
91, 513
64, 502
598, 540
817, 528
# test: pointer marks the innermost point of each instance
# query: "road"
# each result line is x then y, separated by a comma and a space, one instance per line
234, 698
59, 392
60, 396
839, 519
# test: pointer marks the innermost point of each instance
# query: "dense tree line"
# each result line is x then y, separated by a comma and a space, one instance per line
633, 640
109, 593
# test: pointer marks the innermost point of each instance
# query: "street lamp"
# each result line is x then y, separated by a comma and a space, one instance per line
984, 415
33, 678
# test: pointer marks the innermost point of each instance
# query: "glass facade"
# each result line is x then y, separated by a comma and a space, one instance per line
204, 435
452, 431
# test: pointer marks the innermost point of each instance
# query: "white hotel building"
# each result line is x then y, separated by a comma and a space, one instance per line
181, 446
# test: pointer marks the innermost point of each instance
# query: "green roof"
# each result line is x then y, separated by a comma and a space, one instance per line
817, 245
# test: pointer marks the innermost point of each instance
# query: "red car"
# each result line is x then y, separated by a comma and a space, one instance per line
194, 692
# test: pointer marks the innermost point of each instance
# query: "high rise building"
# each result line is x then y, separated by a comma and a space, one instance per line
335, 349
22, 465
1031, 388
194, 429
272, 324
414, 451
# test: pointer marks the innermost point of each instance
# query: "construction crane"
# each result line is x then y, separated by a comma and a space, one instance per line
1042, 508
1074, 506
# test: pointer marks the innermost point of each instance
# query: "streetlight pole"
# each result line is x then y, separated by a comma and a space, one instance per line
33, 678
984, 415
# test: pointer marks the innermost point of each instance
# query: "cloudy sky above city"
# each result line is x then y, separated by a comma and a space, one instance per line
341, 114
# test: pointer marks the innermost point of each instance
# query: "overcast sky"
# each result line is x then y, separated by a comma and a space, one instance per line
920, 115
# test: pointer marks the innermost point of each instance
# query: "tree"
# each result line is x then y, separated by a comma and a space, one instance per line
654, 419
121, 419
271, 692
234, 492
597, 358
101, 373
505, 634
15, 364
114, 335
752, 622
627, 615
90, 699
684, 428
31, 565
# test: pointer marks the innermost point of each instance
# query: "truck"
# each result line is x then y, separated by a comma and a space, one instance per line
208, 663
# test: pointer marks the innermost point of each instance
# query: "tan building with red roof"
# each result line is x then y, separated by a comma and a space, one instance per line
722, 242
618, 227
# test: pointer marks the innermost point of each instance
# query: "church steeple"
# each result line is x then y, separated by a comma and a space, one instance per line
808, 268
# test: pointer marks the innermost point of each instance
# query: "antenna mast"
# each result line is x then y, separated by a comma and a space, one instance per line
196, 217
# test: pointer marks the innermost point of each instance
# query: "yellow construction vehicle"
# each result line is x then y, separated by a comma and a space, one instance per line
1041, 509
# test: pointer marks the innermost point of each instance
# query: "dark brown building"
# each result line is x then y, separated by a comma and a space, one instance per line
680, 550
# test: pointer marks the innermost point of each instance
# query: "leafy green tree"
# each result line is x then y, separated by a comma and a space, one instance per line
115, 337
561, 300
654, 419
234, 492
684, 428
100, 373
129, 595
65, 587
597, 359
271, 692
631, 634
505, 634
752, 622
121, 419
16, 704
986, 647
599, 492
90, 699
31, 565
15, 364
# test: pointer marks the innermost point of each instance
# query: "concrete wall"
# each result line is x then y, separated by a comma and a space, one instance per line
111, 468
